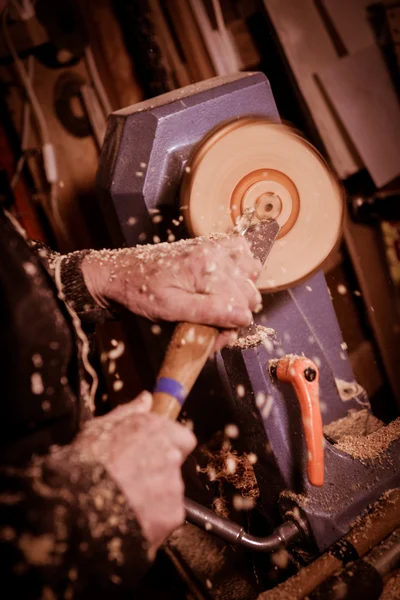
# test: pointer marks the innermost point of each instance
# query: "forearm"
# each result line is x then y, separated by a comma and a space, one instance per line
66, 527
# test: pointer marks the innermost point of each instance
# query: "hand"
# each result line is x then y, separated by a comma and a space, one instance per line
143, 453
206, 281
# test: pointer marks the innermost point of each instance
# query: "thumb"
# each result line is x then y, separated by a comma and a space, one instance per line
142, 403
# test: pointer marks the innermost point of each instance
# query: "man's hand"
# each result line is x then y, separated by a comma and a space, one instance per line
143, 453
206, 281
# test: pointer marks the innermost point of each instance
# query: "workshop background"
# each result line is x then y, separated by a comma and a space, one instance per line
334, 70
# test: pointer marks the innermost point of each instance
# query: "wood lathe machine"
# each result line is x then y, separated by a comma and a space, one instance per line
201, 158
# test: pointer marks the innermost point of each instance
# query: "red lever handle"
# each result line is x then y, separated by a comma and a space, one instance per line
303, 374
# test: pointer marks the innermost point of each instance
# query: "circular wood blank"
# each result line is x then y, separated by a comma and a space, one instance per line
253, 162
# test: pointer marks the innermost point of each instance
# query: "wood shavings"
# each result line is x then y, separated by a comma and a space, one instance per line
252, 458
349, 389
317, 361
114, 548
370, 446
240, 390
260, 399
30, 268
227, 466
117, 351
37, 386
118, 385
38, 550
231, 465
37, 360
355, 423
280, 559
262, 334
232, 431
242, 503
299, 499
267, 407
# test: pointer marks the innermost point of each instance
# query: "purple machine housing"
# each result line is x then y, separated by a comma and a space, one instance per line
145, 151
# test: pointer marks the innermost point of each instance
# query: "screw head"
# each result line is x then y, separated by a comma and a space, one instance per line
310, 374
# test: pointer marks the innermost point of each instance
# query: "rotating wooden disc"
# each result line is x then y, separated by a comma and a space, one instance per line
256, 163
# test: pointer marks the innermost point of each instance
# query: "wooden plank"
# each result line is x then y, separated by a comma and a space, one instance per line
350, 20
365, 368
364, 245
113, 62
187, 31
249, 54
309, 49
168, 45
361, 91
211, 38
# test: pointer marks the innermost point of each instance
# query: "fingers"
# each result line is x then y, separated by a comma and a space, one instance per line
143, 403
224, 310
239, 252
132, 419
180, 437
252, 294
250, 267
225, 338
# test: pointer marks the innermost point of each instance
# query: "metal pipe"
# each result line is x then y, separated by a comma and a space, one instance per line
287, 533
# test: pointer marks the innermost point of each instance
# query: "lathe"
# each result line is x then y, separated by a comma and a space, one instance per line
193, 162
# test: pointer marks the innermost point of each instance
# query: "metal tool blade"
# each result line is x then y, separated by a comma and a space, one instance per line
260, 236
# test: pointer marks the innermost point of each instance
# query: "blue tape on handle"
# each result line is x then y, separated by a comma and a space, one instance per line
171, 387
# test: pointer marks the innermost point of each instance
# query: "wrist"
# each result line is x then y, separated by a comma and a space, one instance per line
96, 273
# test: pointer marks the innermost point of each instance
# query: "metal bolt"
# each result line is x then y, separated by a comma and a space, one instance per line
310, 374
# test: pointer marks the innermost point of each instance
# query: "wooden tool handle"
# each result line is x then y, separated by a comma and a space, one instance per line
187, 353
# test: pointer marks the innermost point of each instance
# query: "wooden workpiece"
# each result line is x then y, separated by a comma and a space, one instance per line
256, 164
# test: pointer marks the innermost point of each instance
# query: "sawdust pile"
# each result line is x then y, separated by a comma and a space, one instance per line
226, 466
261, 335
297, 498
370, 446
355, 423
